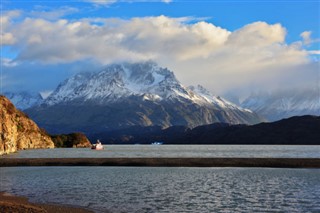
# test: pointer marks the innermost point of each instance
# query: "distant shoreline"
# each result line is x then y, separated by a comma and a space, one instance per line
165, 162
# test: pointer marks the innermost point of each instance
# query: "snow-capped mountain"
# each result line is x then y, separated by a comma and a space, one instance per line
23, 100
118, 81
142, 94
284, 104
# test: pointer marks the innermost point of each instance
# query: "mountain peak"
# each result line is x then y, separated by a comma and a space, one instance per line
24, 99
200, 90
117, 81
129, 94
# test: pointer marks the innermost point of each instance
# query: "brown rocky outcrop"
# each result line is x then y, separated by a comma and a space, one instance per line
17, 131
74, 140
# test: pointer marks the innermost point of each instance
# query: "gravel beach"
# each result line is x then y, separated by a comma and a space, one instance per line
15, 204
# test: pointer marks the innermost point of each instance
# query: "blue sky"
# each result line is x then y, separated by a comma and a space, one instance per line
237, 41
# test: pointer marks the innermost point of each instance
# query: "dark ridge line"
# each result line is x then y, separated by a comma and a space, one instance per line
165, 162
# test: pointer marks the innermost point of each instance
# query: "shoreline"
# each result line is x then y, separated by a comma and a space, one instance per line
165, 162
13, 203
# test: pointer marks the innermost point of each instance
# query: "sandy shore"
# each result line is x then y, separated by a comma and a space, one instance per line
15, 204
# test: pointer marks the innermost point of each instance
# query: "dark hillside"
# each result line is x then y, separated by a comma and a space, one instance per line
304, 130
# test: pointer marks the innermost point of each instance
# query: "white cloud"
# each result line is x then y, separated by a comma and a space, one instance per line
306, 36
314, 52
7, 39
8, 62
51, 14
108, 2
258, 34
101, 2
116, 39
198, 52
307, 40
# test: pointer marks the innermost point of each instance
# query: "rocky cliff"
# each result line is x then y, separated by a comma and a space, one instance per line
17, 131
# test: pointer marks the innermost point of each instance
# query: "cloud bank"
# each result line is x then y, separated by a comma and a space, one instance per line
256, 55
109, 2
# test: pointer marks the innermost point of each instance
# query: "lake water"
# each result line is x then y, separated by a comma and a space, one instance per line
150, 189
273, 151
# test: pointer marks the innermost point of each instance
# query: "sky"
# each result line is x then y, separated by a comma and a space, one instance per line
229, 47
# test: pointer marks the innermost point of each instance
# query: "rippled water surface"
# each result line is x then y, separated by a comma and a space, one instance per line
136, 189
279, 151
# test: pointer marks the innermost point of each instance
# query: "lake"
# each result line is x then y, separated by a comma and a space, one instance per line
150, 189
174, 189
198, 151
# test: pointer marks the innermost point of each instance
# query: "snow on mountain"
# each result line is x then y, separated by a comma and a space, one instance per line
119, 81
116, 81
216, 100
286, 103
23, 100
133, 94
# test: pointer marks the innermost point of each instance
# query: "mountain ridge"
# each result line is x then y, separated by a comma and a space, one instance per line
23, 99
281, 104
297, 130
129, 94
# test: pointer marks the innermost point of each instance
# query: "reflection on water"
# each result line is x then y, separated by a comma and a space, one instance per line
279, 151
136, 189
